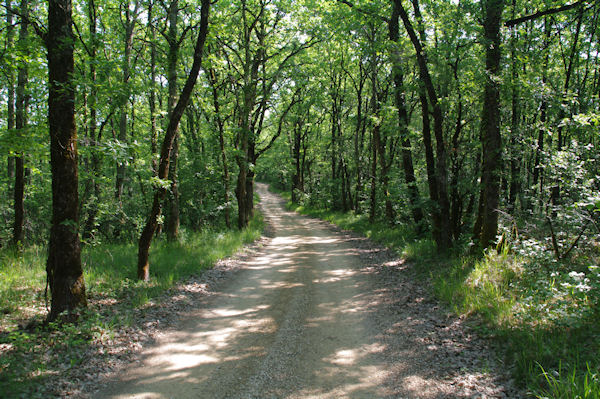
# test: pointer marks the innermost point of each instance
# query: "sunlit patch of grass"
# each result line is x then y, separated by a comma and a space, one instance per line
482, 286
29, 357
22, 279
569, 385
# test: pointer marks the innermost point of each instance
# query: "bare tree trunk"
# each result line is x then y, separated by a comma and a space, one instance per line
10, 109
152, 99
426, 129
358, 142
516, 153
173, 198
128, 39
143, 268
21, 126
407, 162
538, 171
373, 203
65, 275
297, 137
456, 199
213, 84
94, 140
490, 124
444, 236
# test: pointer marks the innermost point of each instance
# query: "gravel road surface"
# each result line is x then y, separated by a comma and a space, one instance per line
315, 313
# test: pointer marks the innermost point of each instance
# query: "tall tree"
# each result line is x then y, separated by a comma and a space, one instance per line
174, 42
10, 101
129, 23
143, 267
21, 126
94, 135
490, 124
65, 275
398, 77
441, 213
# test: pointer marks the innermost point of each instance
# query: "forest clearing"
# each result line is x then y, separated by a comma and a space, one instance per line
453, 142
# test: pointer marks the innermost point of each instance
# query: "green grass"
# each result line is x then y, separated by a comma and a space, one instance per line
546, 330
36, 354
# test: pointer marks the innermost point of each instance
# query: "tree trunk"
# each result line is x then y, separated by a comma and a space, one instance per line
21, 126
212, 78
250, 179
358, 143
10, 104
94, 140
426, 129
538, 170
143, 269
243, 158
443, 237
65, 275
407, 162
456, 199
128, 39
490, 124
152, 99
555, 193
173, 198
373, 203
516, 153
296, 157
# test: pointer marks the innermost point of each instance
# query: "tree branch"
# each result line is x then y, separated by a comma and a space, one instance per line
40, 30
550, 11
363, 11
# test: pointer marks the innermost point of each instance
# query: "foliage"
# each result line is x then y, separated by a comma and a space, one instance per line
314, 97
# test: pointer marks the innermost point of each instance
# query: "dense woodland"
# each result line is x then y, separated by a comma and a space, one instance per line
471, 125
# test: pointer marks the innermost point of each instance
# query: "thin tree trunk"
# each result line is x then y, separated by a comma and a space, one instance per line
407, 162
444, 236
357, 149
373, 203
21, 126
456, 199
128, 40
173, 198
65, 275
538, 171
555, 193
143, 269
92, 101
296, 158
152, 99
516, 153
215, 94
10, 104
426, 129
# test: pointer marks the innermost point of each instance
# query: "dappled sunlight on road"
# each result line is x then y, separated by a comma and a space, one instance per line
293, 323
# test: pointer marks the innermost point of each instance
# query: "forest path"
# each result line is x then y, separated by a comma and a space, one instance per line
317, 313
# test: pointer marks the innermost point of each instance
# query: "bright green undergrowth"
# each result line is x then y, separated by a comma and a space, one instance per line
543, 315
30, 356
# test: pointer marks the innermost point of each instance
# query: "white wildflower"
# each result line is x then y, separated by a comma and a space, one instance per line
576, 276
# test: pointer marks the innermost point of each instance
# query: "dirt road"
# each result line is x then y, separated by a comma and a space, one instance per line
315, 314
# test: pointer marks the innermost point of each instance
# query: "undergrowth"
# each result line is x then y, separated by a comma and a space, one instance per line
543, 315
32, 353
